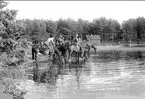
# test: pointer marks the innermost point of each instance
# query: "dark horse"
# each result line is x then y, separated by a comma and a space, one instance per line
50, 49
62, 46
67, 48
91, 46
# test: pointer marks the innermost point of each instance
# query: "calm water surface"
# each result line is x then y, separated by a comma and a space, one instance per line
104, 74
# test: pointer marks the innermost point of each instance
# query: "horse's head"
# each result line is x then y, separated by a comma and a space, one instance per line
43, 50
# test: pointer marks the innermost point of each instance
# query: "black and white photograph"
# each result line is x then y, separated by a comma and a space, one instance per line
72, 49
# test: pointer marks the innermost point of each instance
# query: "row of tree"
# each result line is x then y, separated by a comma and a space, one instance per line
110, 30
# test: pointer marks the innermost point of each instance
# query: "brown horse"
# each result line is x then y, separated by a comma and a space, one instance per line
86, 49
74, 49
91, 46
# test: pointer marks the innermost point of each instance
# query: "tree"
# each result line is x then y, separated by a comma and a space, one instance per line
7, 20
139, 28
63, 27
134, 29
108, 29
128, 28
51, 27
83, 27
21, 29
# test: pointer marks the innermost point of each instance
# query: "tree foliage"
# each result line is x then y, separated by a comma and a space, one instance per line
134, 29
110, 30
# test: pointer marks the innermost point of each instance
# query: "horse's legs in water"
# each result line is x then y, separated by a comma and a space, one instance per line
69, 57
66, 56
81, 52
70, 54
88, 51
36, 56
63, 52
94, 48
60, 55
51, 53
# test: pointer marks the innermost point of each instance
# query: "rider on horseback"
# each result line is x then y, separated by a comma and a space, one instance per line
50, 41
61, 40
78, 40
50, 44
61, 45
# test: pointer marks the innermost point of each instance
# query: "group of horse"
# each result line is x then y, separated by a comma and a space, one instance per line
63, 49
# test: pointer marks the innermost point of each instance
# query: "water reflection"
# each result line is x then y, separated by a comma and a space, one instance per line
106, 73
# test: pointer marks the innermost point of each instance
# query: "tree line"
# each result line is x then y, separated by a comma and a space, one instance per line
110, 30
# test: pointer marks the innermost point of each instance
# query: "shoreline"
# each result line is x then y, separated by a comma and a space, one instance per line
119, 48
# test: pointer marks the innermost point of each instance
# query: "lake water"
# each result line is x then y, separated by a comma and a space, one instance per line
104, 74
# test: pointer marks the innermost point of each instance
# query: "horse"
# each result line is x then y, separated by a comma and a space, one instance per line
49, 48
63, 47
74, 48
85, 49
81, 48
91, 46
68, 48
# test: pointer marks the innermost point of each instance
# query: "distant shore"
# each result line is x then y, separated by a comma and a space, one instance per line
119, 48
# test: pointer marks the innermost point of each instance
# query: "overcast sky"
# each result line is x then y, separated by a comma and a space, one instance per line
87, 10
